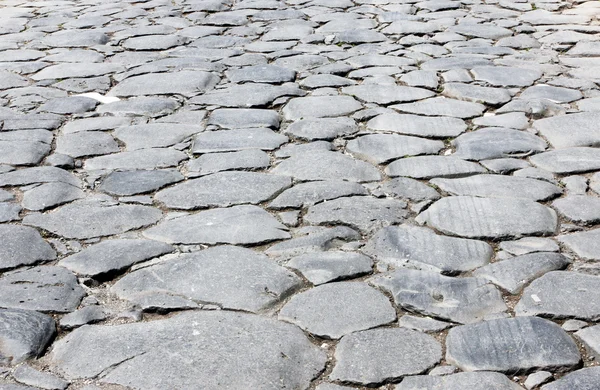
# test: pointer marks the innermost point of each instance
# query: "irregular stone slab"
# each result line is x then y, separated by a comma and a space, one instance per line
184, 82
22, 245
322, 128
216, 162
113, 256
514, 273
405, 188
141, 106
505, 76
137, 159
307, 194
553, 296
23, 152
197, 340
49, 195
24, 334
462, 380
320, 107
427, 167
422, 248
569, 160
555, 94
422, 324
489, 217
313, 239
511, 345
463, 300
10, 80
233, 225
442, 106
591, 339
565, 131
224, 189
126, 183
46, 289
377, 356
449, 63
499, 186
261, 74
69, 105
87, 219
325, 80
336, 309
325, 165
82, 38
482, 30
513, 120
474, 93
86, 143
361, 212
585, 244
579, 208
86, 315
247, 95
94, 124
386, 94
381, 148
36, 175
153, 42
76, 70
583, 379
228, 276
323, 267
30, 376
434, 127
9, 212
232, 140
236, 118
529, 245
495, 142
155, 135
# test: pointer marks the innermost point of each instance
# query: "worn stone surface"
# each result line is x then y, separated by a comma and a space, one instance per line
306, 194
462, 380
22, 245
511, 345
138, 181
24, 335
585, 378
323, 267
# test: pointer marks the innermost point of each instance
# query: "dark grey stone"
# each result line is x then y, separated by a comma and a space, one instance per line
462, 300
155, 135
24, 334
95, 124
427, 167
460, 381
217, 162
494, 142
489, 217
247, 95
312, 239
137, 159
378, 356
206, 347
86, 143
324, 267
554, 295
512, 345
307, 194
233, 225
335, 309
75, 70
381, 148
113, 256
47, 289
125, 183
22, 245
422, 248
228, 276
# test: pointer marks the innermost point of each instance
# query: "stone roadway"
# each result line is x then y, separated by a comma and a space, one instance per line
311, 194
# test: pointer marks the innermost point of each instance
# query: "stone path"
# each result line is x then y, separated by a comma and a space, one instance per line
301, 194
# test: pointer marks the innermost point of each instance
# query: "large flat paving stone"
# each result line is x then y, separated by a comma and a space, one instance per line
49, 195
86, 143
36, 175
585, 244
76, 70
235, 118
361, 212
590, 337
335, 309
323, 267
137, 159
322, 128
442, 106
381, 148
216, 162
247, 95
566, 131
233, 225
477, 94
562, 294
22, 245
407, 188
505, 76
113, 256
386, 94
234, 140
568, 160
495, 142
320, 107
185, 82
460, 381
422, 248
224, 189
514, 273
427, 167
88, 219
499, 186
47, 289
423, 126
309, 193
228, 276
583, 379
512, 345
20, 152
325, 165
494, 218
311, 239
462, 300
218, 349
24, 334
135, 182
155, 135
579, 208
377, 356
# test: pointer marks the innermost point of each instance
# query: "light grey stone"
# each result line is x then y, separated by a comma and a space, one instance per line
324, 267
504, 76
512, 345
79, 70
153, 42
442, 106
322, 128
477, 94
537, 378
320, 107
377, 356
504, 165
405, 188
386, 94
261, 74
228, 276
237, 118
125, 183
579, 208
22, 152
555, 94
140, 106
565, 131
427, 167
25, 334
82, 38
422, 324
459, 381
585, 244
574, 325
217, 162
312, 239
36, 175
233, 225
155, 135
233, 140
583, 379
568, 160
435, 127
492, 142
197, 340
527, 245
30, 376
512, 120
137, 159
84, 316
307, 194
69, 105
9, 212
48, 195
463, 300
381, 148
110, 257
247, 95
553, 295
590, 337
86, 143
482, 30
335, 309
95, 124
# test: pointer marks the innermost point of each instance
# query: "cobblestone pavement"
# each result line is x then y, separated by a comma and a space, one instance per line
303, 194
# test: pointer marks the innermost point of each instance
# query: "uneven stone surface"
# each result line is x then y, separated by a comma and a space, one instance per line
22, 245
585, 378
24, 335
463, 380
331, 266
